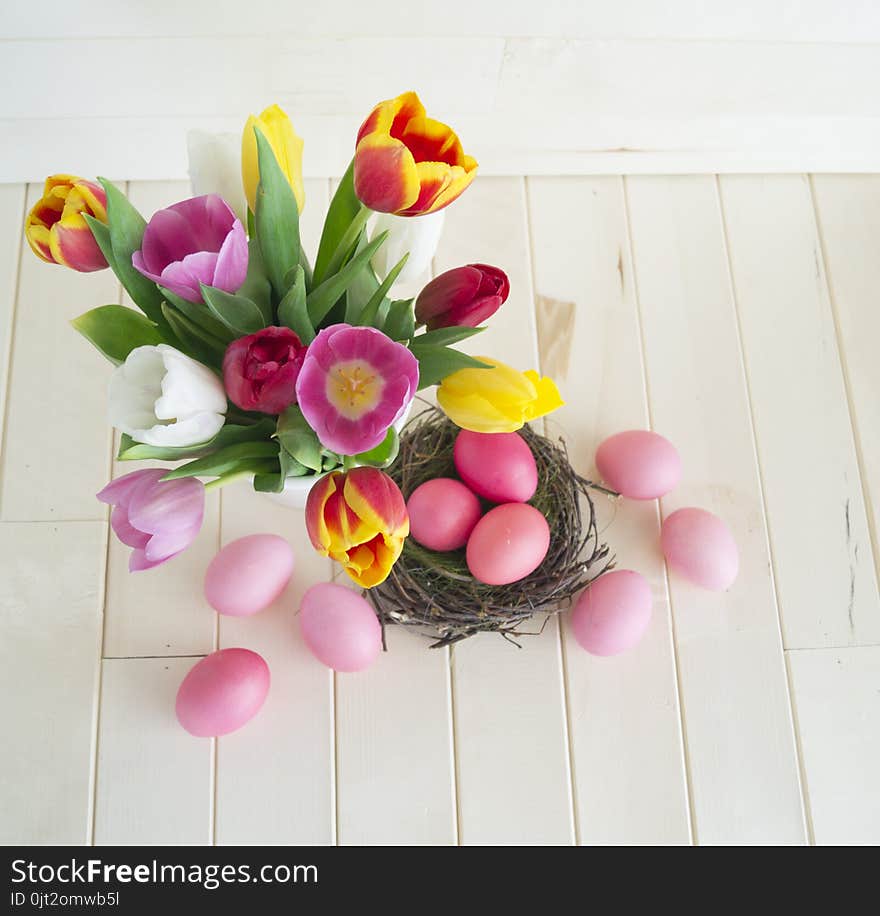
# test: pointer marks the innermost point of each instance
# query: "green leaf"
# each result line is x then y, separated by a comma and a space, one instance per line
269, 483
324, 297
401, 322
369, 312
226, 460
290, 467
292, 310
444, 337
101, 234
238, 313
384, 453
330, 461
343, 209
230, 434
298, 438
126, 227
435, 363
256, 286
276, 218
194, 341
116, 331
200, 315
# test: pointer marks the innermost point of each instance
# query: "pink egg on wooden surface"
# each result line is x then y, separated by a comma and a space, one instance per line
499, 467
442, 513
701, 547
340, 627
248, 574
612, 613
639, 464
508, 543
222, 692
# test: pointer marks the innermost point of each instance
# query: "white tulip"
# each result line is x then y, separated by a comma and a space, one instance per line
215, 168
159, 396
418, 235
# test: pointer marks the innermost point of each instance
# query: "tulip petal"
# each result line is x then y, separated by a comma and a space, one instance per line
230, 270
137, 561
125, 531
392, 116
76, 246
385, 175
171, 541
168, 505
316, 524
431, 141
377, 500
118, 492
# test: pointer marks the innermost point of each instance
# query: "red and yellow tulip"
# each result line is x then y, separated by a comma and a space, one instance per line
56, 228
359, 519
407, 163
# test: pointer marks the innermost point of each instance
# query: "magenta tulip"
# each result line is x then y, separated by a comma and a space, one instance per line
158, 519
462, 297
197, 241
355, 383
260, 370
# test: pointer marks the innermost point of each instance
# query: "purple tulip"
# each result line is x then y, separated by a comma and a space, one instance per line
199, 240
158, 519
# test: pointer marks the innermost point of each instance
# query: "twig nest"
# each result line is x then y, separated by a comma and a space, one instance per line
435, 592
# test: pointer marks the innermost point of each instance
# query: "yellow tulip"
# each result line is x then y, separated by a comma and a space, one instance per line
275, 126
496, 400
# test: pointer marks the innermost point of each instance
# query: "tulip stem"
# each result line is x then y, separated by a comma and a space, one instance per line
347, 242
221, 481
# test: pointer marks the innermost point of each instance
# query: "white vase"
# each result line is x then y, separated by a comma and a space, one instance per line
296, 489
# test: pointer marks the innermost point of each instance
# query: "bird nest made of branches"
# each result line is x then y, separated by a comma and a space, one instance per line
435, 591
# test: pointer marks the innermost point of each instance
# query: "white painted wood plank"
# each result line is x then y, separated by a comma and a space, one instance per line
153, 779
743, 763
379, 800
548, 142
57, 441
837, 703
51, 586
848, 213
815, 506
161, 611
11, 243
394, 735
753, 20
275, 777
623, 711
511, 737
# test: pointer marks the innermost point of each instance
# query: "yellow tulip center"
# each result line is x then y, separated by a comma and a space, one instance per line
354, 388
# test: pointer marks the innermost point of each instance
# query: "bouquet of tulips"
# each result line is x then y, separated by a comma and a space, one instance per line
246, 358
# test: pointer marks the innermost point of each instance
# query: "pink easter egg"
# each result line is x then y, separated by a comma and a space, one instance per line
508, 543
639, 464
248, 574
222, 692
340, 627
442, 513
701, 547
612, 613
499, 467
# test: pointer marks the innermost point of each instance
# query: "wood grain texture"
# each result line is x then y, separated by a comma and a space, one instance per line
48, 675
837, 701
501, 720
848, 213
57, 399
817, 516
154, 782
622, 710
12, 243
734, 690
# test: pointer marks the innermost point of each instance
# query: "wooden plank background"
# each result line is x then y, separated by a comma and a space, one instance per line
585, 87
735, 315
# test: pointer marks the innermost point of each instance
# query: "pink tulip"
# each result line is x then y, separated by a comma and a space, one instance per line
158, 519
199, 240
354, 383
462, 297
